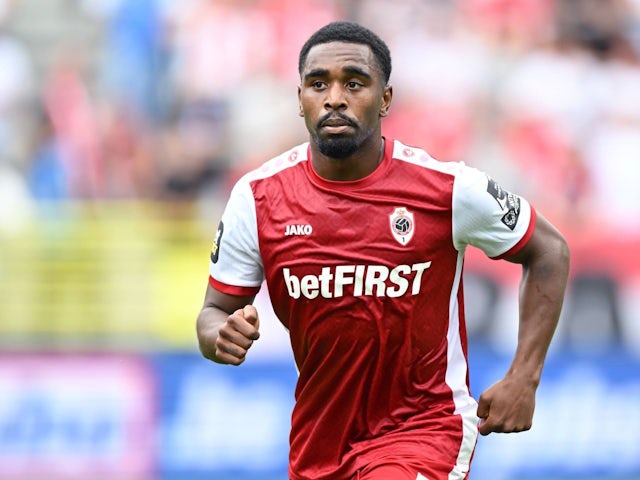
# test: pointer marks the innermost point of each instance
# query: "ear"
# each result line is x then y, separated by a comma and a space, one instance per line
300, 110
387, 95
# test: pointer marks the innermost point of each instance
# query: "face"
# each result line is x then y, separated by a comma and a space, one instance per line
342, 97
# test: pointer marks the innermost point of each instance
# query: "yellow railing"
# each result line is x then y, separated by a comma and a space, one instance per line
111, 275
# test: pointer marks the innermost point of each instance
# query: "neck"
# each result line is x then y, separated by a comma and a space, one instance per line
359, 165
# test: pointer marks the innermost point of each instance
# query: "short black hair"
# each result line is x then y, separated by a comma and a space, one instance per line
350, 32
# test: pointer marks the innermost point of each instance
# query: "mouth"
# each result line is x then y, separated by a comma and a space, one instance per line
336, 125
335, 129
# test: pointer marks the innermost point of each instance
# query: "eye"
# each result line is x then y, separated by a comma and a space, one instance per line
353, 85
317, 84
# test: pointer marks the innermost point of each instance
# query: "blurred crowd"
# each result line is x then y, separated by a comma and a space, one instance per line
184, 95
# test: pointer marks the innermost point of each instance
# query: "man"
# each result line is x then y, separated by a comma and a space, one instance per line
361, 241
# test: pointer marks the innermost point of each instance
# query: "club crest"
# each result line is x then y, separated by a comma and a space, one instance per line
402, 225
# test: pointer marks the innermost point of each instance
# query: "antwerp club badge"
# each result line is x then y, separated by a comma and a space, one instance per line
402, 226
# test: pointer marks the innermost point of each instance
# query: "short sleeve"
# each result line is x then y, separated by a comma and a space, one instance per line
236, 265
488, 217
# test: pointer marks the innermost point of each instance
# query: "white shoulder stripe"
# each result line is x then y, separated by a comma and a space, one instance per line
277, 164
418, 156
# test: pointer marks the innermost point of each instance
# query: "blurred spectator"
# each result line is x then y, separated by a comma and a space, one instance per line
133, 68
16, 205
517, 24
17, 82
596, 25
633, 24
72, 112
292, 20
612, 151
214, 47
216, 82
442, 90
16, 89
192, 158
263, 106
47, 172
213, 50
127, 152
543, 122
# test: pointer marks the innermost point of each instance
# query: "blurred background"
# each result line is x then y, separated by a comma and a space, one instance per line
123, 125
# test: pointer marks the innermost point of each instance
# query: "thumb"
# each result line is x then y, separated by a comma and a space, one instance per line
250, 314
484, 407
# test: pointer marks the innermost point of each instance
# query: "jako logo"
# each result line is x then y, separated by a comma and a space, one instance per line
298, 230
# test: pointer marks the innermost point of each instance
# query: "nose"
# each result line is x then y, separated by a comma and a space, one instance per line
335, 98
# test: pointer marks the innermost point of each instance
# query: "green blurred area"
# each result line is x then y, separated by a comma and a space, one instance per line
111, 275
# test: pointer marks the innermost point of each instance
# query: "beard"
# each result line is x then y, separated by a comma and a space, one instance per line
338, 147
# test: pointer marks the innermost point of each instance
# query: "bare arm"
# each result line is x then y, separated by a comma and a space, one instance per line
508, 405
227, 326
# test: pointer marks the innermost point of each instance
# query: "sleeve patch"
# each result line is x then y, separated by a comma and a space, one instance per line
508, 202
215, 248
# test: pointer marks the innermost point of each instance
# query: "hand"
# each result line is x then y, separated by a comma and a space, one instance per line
507, 406
236, 336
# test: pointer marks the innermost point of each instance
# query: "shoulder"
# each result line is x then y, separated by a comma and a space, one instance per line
466, 184
271, 169
420, 158
278, 164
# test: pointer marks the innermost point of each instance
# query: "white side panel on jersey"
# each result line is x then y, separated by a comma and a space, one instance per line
456, 379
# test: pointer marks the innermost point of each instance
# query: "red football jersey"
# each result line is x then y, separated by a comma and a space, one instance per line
367, 277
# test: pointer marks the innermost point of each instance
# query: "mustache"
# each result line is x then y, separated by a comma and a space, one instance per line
339, 115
